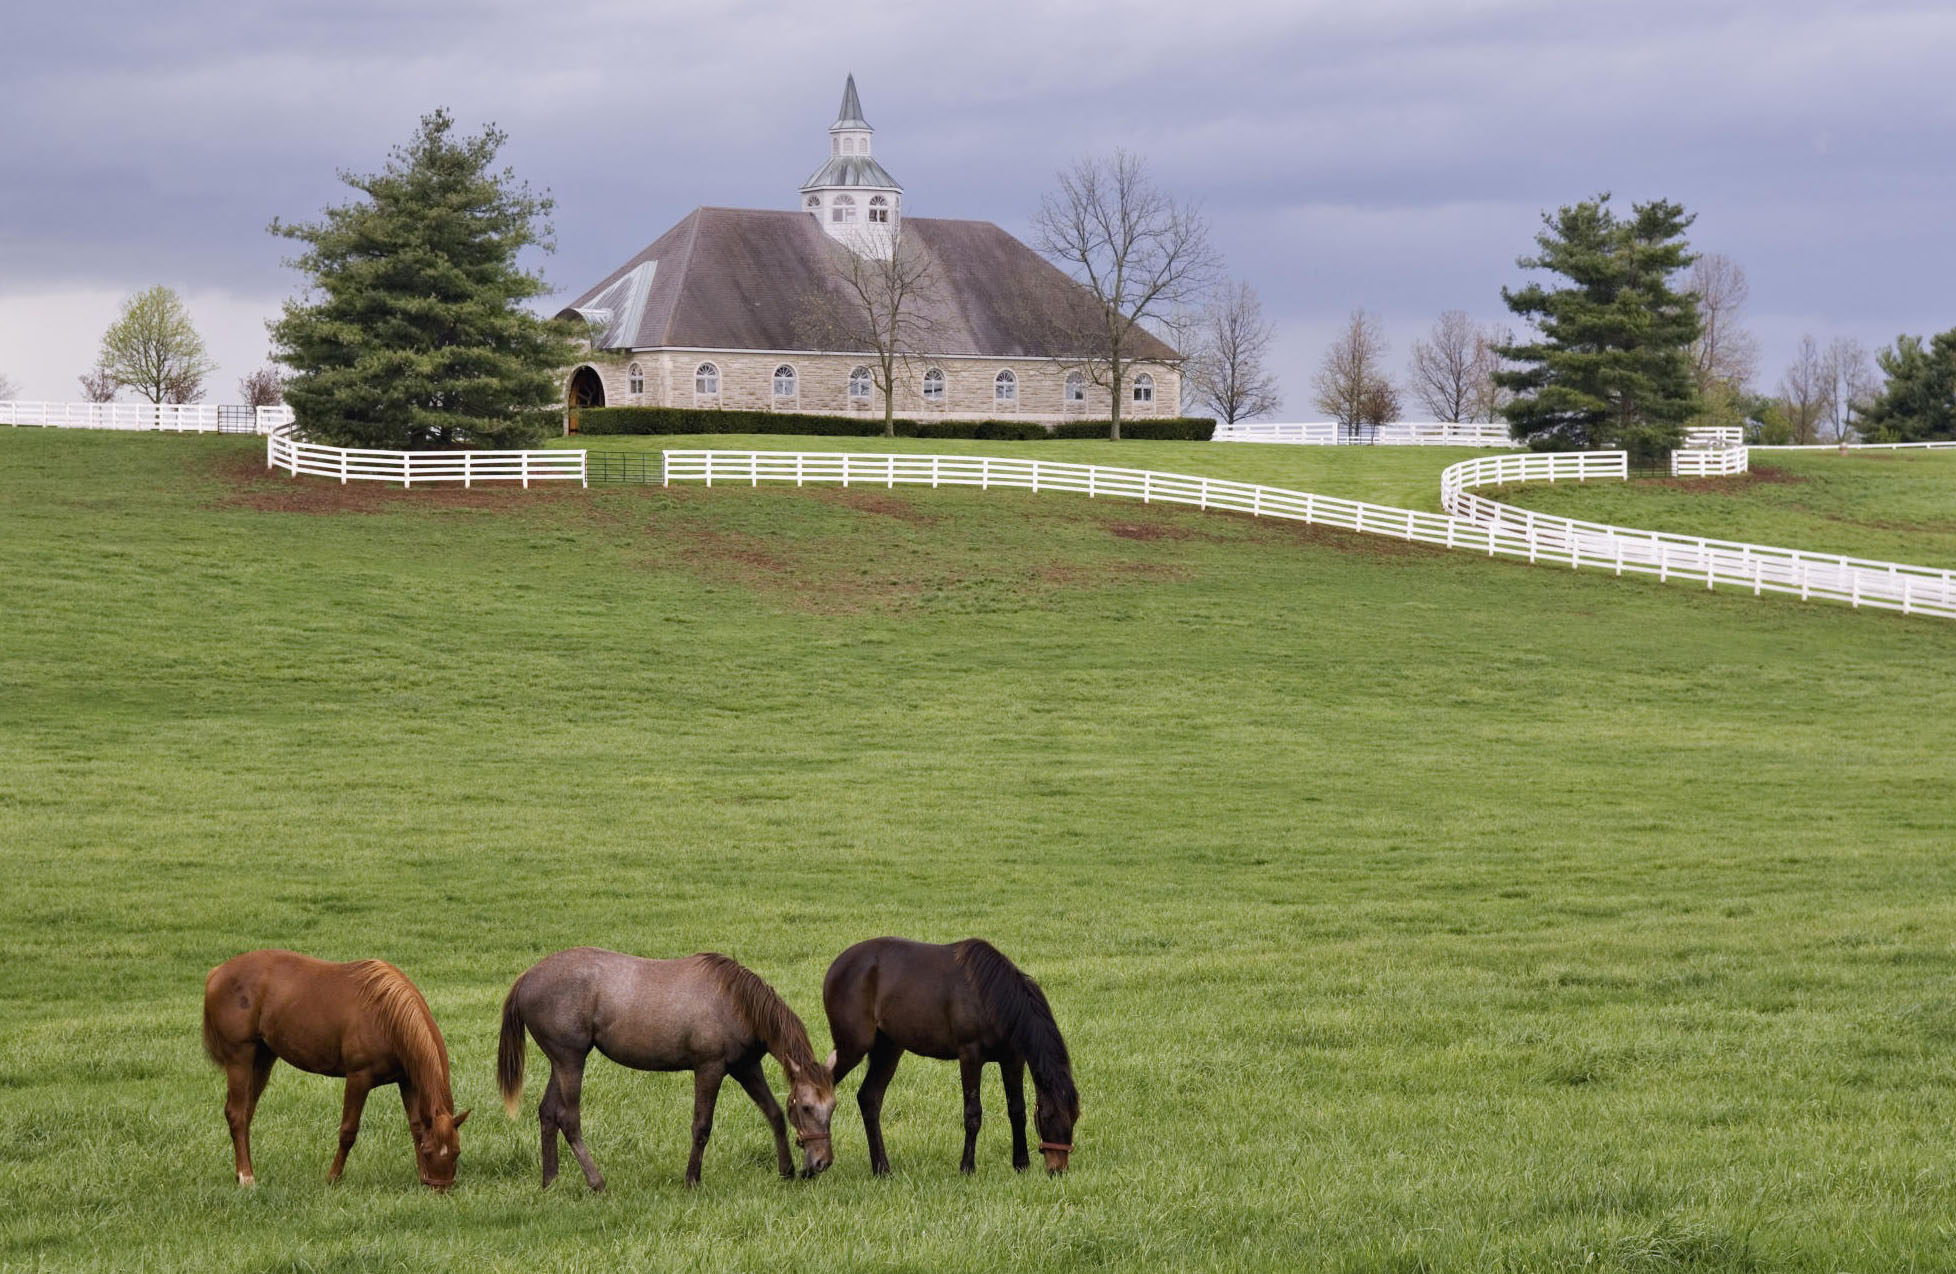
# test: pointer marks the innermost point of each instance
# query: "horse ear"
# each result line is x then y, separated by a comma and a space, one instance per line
830, 1064
463, 1118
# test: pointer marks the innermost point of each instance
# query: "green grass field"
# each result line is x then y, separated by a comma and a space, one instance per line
1405, 911
1897, 506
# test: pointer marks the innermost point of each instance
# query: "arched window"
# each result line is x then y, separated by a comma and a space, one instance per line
1005, 389
706, 381
879, 209
844, 208
784, 381
814, 203
635, 379
859, 385
1144, 388
934, 386
1076, 387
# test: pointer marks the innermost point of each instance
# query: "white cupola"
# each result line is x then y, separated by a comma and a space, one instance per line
853, 197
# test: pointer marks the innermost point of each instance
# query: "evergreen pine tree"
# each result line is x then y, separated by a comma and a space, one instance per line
1611, 362
414, 332
1919, 400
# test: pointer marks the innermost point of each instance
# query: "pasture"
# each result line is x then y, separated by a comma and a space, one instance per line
1404, 910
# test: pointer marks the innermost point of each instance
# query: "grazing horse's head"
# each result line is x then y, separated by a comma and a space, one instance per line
438, 1149
811, 1104
1054, 1118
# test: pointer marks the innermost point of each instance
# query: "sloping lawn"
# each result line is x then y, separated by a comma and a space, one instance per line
1403, 910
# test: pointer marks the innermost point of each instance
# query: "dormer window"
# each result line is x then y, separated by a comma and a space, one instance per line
879, 209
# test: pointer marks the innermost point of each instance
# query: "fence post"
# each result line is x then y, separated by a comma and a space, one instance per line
891, 484
1147, 485
1093, 471
984, 473
936, 469
295, 468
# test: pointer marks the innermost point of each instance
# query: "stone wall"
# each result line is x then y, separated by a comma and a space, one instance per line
822, 386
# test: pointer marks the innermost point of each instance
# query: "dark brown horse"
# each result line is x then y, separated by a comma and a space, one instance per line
363, 1020
705, 1013
964, 1001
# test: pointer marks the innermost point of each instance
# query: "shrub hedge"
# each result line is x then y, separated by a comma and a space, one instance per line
692, 420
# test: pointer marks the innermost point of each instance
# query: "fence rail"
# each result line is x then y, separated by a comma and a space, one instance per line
1399, 433
1709, 464
356, 464
152, 417
1913, 590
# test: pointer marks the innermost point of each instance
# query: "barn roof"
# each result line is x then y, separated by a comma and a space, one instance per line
747, 279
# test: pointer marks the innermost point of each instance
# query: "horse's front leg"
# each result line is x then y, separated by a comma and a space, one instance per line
357, 1085
1012, 1073
752, 1078
971, 1068
706, 1092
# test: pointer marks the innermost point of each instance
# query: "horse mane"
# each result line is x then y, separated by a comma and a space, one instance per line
1019, 1008
766, 1013
409, 1022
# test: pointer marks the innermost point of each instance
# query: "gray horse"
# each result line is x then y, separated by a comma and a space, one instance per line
705, 1013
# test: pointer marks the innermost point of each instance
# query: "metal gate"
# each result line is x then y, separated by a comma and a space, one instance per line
237, 420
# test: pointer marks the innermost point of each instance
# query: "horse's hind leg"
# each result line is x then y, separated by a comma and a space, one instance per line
567, 1079
706, 1093
754, 1080
1012, 1074
547, 1122
244, 1081
357, 1085
971, 1069
883, 1059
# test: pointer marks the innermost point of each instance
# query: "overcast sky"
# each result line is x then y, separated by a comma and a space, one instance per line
1395, 155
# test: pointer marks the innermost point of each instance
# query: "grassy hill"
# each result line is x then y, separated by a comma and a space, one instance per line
1404, 910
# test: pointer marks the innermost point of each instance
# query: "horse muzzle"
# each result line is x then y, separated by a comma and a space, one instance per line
1056, 1155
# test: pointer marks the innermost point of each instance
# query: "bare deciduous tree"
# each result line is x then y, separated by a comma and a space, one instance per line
1226, 353
97, 386
1139, 253
1351, 375
1804, 389
881, 306
263, 388
7, 390
1453, 369
1724, 353
1851, 384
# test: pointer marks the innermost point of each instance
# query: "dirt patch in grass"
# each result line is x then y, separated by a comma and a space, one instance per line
252, 486
879, 503
1734, 484
1149, 531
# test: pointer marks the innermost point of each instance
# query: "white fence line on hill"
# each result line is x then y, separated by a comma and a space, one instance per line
151, 417
357, 464
1481, 525
1913, 590
1853, 446
1399, 433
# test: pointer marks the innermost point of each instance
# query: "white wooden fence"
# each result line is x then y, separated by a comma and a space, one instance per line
167, 417
1913, 590
1481, 525
356, 464
1713, 436
1400, 433
1709, 464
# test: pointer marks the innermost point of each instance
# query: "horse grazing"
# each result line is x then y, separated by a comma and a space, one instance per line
363, 1020
705, 1013
965, 1001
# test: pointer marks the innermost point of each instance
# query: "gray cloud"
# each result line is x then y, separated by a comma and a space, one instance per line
1392, 155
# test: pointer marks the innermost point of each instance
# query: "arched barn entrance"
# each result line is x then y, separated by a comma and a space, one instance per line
586, 388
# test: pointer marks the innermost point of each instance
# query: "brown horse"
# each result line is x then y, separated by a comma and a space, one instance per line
363, 1020
964, 1001
705, 1013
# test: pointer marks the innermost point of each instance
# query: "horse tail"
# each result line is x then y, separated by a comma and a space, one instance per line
213, 1047
511, 1053
1020, 1010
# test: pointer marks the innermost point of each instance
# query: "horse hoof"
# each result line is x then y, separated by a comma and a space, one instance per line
246, 1179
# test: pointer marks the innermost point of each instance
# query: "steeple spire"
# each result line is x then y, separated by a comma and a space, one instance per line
851, 114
